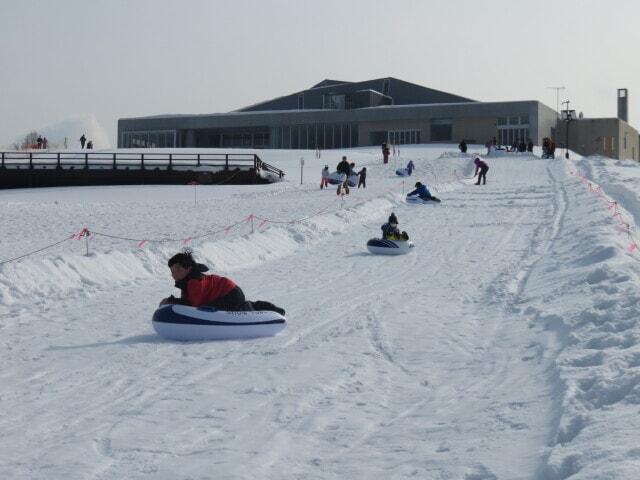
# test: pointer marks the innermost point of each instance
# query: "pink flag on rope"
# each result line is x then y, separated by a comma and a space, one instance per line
81, 233
633, 247
186, 240
142, 243
262, 223
226, 229
250, 217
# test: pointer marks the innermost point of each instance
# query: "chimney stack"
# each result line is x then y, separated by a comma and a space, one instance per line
623, 101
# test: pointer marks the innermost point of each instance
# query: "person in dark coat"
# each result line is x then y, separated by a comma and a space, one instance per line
530, 146
344, 167
522, 147
90, 145
83, 140
481, 170
390, 230
362, 177
198, 289
385, 152
39, 143
463, 146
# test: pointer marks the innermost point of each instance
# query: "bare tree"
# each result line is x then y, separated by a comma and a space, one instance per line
30, 140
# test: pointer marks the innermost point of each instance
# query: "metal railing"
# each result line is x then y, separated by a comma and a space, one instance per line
121, 160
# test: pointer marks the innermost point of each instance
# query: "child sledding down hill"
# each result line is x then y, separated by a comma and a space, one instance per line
198, 289
423, 192
390, 230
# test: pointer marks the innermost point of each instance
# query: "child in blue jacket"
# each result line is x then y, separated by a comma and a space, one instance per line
423, 192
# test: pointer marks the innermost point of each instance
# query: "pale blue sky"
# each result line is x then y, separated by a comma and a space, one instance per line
122, 58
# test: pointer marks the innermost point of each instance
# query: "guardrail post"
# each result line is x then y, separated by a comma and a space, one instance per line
198, 159
2, 159
114, 161
58, 166
170, 161
142, 161
86, 161
226, 161
30, 160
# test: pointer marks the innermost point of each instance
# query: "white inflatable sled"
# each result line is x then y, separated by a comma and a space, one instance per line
416, 200
403, 172
182, 322
337, 178
380, 246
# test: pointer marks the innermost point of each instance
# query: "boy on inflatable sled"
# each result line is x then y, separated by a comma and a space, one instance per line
423, 192
390, 230
198, 289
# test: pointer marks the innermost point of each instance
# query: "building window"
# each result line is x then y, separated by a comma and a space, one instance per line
403, 137
513, 130
334, 102
301, 101
152, 139
441, 130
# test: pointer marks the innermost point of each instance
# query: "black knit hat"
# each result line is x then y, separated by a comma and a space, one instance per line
393, 219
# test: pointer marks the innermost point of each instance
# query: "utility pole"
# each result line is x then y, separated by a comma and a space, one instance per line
557, 89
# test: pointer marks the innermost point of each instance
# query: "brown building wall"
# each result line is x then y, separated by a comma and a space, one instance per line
600, 136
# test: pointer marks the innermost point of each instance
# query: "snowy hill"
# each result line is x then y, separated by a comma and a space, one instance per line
505, 345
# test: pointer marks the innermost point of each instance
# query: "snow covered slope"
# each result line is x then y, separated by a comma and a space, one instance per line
504, 346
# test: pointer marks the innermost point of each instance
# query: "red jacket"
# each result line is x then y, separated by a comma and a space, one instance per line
199, 289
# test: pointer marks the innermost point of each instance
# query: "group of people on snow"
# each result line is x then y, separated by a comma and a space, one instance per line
83, 141
347, 169
198, 288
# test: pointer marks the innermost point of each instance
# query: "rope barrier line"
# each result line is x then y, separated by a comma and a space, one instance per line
37, 251
87, 233
623, 226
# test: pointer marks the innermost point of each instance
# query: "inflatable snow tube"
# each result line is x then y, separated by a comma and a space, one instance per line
185, 323
416, 200
403, 172
353, 180
380, 246
336, 178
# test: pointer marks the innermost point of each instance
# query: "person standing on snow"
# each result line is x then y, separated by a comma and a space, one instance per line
198, 289
324, 181
481, 170
423, 192
362, 177
410, 167
83, 140
344, 167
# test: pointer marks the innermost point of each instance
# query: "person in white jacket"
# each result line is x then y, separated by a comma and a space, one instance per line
324, 181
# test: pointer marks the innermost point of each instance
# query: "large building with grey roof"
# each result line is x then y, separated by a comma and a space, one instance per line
341, 114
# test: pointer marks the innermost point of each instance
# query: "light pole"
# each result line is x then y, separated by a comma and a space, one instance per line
568, 119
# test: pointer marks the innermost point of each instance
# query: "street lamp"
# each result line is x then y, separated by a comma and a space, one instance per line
567, 116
